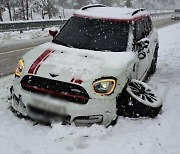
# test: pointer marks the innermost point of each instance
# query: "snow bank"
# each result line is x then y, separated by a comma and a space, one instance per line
9, 37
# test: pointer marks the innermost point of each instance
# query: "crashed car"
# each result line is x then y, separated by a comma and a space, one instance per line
92, 71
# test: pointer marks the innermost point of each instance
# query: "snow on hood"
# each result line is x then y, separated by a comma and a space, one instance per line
83, 64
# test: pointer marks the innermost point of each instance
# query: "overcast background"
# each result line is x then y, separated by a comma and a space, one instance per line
178, 3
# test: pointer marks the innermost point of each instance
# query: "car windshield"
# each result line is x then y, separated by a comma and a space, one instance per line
94, 34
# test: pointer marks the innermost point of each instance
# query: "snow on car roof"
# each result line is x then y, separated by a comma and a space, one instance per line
115, 13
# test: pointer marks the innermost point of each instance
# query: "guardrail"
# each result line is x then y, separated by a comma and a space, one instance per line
29, 25
161, 14
42, 24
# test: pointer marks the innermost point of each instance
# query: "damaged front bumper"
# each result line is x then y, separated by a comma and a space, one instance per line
95, 111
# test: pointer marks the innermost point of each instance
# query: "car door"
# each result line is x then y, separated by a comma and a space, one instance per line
142, 65
152, 36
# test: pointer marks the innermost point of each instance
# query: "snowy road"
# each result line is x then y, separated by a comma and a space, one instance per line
140, 136
11, 52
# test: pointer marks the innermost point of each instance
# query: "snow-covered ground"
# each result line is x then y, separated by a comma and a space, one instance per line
141, 136
9, 37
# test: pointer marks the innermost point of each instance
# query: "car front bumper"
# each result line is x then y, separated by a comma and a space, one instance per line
48, 109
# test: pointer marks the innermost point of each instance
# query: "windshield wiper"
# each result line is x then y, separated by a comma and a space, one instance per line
106, 50
62, 43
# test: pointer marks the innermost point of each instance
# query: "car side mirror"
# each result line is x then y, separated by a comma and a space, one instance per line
143, 43
53, 32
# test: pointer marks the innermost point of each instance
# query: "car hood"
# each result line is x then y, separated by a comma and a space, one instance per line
66, 64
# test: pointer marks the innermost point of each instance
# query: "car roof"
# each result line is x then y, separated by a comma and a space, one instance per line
111, 13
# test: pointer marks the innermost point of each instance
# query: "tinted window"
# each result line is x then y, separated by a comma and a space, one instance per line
94, 34
139, 30
148, 25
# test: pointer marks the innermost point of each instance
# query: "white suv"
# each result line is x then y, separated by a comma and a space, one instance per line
92, 70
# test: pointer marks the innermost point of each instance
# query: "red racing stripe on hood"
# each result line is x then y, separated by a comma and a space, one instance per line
35, 66
76, 81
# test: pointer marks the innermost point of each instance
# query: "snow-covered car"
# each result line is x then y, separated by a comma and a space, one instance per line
92, 70
176, 15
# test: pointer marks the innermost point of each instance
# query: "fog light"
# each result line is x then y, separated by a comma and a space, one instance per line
20, 68
88, 120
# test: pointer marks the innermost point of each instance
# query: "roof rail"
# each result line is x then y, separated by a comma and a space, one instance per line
91, 6
138, 10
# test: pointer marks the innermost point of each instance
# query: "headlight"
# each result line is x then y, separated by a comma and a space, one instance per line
20, 68
104, 86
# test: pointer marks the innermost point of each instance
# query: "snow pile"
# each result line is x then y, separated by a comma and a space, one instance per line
143, 136
8, 37
82, 63
80, 137
110, 13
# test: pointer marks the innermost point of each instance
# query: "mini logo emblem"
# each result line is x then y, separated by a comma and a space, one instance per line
53, 75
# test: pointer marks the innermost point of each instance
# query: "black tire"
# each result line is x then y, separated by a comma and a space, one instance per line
154, 62
139, 100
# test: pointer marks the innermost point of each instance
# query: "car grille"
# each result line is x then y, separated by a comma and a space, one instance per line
56, 89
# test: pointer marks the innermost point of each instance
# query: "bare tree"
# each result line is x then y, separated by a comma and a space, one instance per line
27, 9
23, 10
1, 10
49, 9
128, 3
9, 5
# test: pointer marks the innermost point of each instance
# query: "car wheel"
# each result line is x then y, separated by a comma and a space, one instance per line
154, 62
139, 100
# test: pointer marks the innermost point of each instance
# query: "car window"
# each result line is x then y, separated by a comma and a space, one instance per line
148, 25
139, 30
94, 34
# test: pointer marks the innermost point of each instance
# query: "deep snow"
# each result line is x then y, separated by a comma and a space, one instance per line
9, 37
138, 136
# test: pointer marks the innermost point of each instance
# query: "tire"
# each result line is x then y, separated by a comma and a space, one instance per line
154, 62
139, 100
